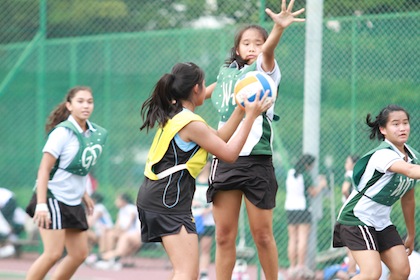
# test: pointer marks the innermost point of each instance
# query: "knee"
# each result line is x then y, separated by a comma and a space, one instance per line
263, 239
370, 275
225, 238
181, 274
84, 254
80, 255
401, 273
52, 257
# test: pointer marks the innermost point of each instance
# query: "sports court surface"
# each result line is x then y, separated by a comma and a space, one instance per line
144, 268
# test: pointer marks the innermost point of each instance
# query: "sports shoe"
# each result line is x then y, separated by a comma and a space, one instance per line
108, 265
91, 259
7, 251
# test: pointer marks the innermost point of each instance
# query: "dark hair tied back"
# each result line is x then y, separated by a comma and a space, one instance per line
171, 88
381, 119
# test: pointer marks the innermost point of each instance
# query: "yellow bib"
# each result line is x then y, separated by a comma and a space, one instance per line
161, 143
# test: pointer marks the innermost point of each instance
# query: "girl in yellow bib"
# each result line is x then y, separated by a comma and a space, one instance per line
176, 157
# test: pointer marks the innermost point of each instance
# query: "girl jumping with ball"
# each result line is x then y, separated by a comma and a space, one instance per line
252, 176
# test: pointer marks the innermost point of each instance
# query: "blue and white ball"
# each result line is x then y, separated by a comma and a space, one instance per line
250, 84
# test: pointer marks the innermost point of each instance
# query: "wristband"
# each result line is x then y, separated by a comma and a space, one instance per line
41, 207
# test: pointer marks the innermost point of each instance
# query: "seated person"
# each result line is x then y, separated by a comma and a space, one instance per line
124, 239
12, 223
99, 223
8, 205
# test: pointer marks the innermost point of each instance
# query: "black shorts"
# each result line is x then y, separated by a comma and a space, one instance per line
358, 238
155, 225
253, 175
63, 216
295, 217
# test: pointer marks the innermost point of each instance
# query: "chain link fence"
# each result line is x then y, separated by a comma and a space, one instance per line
121, 47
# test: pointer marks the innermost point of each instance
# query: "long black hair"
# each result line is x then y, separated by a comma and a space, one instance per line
171, 88
381, 119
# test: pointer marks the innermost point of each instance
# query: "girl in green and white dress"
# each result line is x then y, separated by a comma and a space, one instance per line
382, 176
252, 177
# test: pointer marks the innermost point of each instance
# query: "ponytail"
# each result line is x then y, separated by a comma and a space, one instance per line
58, 115
160, 106
168, 93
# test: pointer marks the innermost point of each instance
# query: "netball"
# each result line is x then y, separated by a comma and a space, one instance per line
250, 84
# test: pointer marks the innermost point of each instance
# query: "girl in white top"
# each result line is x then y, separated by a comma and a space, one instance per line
300, 188
74, 144
382, 176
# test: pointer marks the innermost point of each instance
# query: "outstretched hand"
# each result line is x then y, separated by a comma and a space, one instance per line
259, 105
286, 17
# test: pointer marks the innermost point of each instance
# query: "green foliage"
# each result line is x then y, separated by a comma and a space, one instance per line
19, 19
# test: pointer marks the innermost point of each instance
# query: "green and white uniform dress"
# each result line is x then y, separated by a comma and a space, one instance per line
259, 141
253, 172
376, 188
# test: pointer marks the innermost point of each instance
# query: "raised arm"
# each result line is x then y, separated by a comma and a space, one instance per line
227, 130
206, 138
281, 21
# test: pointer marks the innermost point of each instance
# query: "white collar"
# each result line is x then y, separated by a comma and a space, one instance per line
402, 155
73, 121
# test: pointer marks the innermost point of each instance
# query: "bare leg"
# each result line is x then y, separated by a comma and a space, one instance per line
261, 223
53, 241
369, 262
205, 247
396, 260
102, 242
182, 249
303, 235
292, 246
77, 251
110, 239
93, 239
127, 243
352, 263
226, 207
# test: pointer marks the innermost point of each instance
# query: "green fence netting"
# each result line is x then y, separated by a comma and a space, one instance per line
120, 49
